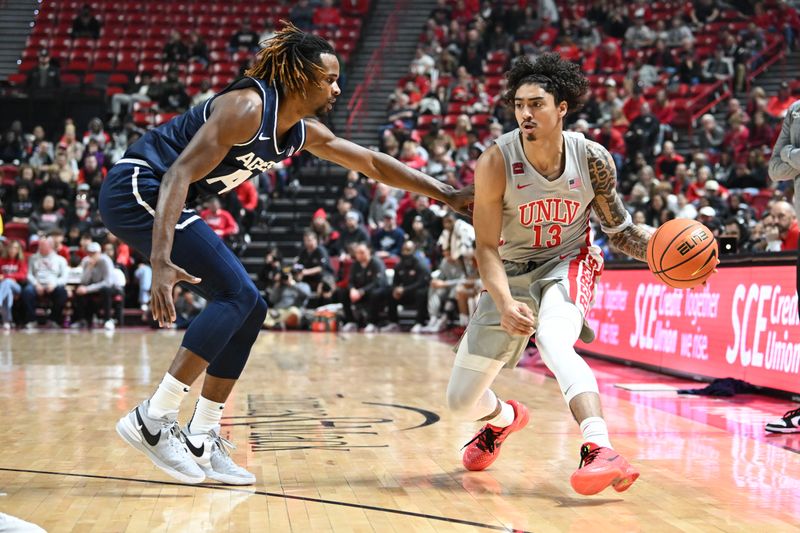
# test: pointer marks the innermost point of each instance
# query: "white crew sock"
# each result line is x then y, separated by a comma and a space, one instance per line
594, 430
168, 397
505, 417
207, 415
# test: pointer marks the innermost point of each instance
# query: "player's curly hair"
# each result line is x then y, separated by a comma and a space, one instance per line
555, 75
291, 58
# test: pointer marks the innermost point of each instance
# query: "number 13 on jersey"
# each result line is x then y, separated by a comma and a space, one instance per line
546, 236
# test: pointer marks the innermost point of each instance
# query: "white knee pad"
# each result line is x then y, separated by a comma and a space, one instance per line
559, 326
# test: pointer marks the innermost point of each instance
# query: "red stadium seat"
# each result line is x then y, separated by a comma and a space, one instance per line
480, 120
450, 121
17, 80
426, 121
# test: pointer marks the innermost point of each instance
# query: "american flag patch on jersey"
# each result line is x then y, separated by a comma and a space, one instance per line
518, 168
574, 183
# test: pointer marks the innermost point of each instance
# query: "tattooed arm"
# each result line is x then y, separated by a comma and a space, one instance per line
614, 218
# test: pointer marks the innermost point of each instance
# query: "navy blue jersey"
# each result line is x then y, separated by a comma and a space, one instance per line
161, 146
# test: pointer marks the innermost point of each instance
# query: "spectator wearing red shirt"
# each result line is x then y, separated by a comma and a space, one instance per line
411, 156
327, 16
737, 138
663, 108
218, 219
785, 229
248, 198
613, 140
761, 133
632, 107
609, 58
778, 104
667, 161
13, 271
546, 35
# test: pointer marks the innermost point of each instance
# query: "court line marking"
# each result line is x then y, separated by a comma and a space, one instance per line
273, 495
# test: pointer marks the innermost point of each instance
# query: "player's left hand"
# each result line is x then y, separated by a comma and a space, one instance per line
165, 275
462, 200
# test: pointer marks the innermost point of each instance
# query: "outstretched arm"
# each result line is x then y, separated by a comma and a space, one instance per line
614, 218
321, 142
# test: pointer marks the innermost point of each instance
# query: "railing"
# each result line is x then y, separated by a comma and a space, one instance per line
358, 104
772, 53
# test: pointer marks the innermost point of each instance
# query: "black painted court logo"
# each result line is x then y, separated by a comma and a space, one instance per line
278, 424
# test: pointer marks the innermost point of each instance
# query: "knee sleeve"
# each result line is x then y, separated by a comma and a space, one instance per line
468, 393
559, 326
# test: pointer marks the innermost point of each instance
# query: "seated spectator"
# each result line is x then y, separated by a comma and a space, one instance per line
269, 275
219, 220
172, 93
187, 306
458, 236
245, 38
353, 232
175, 51
778, 104
58, 243
668, 161
288, 301
302, 15
439, 163
382, 202
96, 132
327, 16
198, 49
357, 198
421, 237
409, 288
442, 290
361, 298
45, 78
762, 135
47, 277
703, 12
609, 58
85, 24
205, 93
737, 138
783, 234
315, 262
388, 239
710, 136
45, 219
678, 32
639, 35
717, 67
411, 156
97, 288
144, 280
13, 274
644, 133
21, 208
143, 91
689, 70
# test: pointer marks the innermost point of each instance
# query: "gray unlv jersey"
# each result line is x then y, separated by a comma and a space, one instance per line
543, 219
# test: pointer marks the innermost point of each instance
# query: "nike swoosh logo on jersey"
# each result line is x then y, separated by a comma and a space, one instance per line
612, 459
198, 452
523, 186
151, 439
262, 138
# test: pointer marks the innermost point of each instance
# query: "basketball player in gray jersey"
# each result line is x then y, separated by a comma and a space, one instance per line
534, 190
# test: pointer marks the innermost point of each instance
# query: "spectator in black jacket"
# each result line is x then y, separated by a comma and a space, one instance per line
45, 78
353, 232
175, 51
363, 291
409, 287
86, 24
244, 39
173, 97
315, 262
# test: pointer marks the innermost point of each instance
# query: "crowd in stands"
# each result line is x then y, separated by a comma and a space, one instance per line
381, 249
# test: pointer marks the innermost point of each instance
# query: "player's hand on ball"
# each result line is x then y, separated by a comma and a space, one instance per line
165, 275
462, 200
517, 319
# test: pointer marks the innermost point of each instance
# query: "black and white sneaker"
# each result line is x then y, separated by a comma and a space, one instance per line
790, 423
211, 452
161, 440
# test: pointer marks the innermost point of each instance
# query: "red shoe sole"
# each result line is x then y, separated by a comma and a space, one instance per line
592, 483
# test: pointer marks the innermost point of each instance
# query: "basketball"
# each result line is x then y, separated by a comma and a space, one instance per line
682, 253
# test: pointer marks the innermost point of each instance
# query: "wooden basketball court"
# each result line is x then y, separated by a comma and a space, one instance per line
350, 433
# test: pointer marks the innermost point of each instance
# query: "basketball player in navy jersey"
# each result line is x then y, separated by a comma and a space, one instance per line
534, 189
211, 149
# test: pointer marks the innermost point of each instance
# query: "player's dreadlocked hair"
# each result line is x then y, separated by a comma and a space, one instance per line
556, 76
292, 58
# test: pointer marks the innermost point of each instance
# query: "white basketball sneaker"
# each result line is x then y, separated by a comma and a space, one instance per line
211, 452
160, 439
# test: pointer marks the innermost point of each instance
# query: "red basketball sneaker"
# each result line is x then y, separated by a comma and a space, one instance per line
601, 467
484, 448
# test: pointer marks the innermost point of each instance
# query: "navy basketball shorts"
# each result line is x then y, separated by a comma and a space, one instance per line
224, 332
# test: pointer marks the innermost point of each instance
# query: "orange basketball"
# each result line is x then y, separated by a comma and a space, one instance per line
682, 253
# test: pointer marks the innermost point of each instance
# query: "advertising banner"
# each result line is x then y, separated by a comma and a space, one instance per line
742, 324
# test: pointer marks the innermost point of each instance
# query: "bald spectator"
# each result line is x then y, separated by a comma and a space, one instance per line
47, 277
784, 233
